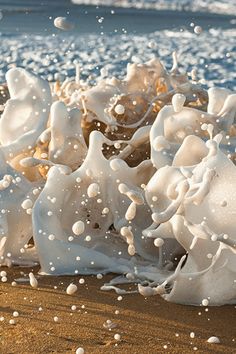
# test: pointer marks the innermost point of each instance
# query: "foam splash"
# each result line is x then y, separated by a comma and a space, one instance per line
132, 176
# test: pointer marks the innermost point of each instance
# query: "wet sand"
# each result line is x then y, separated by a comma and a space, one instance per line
146, 325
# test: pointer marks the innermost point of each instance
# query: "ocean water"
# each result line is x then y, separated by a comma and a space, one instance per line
112, 36
210, 6
213, 6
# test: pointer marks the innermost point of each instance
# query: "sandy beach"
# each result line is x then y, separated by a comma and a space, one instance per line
146, 325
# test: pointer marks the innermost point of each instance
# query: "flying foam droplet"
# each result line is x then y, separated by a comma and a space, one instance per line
158, 242
93, 190
27, 204
71, 289
198, 29
205, 302
119, 109
117, 337
204, 126
214, 237
63, 24
105, 211
78, 227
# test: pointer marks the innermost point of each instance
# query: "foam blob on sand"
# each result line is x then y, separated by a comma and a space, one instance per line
71, 289
213, 340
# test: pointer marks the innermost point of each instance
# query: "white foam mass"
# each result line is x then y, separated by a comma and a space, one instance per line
148, 193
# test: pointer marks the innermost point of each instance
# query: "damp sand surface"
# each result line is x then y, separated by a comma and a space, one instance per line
145, 325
